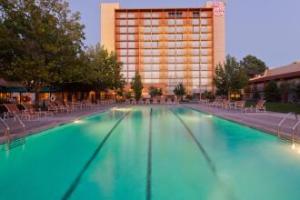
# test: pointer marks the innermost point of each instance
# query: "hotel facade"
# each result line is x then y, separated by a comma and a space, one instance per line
166, 46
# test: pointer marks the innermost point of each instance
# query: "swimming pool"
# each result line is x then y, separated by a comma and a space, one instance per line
148, 153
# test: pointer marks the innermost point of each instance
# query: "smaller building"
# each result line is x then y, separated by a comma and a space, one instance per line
286, 74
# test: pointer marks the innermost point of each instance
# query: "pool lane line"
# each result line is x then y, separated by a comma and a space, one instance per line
199, 145
211, 164
149, 162
75, 183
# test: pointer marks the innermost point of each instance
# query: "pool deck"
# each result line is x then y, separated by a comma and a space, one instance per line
265, 121
36, 126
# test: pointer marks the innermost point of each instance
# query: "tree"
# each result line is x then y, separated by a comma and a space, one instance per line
284, 89
253, 66
153, 91
255, 93
40, 42
179, 90
104, 70
137, 86
230, 77
271, 92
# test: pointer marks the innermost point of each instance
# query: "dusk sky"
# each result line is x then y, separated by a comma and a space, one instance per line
268, 29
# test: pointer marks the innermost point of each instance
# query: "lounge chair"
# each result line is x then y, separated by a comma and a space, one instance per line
260, 106
14, 111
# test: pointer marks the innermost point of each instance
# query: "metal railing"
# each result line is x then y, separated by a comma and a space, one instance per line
294, 130
7, 129
281, 122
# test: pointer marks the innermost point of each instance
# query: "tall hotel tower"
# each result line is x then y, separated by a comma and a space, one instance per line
167, 46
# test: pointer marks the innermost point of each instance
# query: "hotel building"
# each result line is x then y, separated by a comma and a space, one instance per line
166, 46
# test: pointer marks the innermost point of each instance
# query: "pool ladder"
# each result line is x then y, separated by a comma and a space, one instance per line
6, 127
294, 127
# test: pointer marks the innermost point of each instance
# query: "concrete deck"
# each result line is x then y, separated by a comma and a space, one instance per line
38, 125
265, 121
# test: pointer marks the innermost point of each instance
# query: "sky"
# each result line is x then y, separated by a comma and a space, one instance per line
268, 29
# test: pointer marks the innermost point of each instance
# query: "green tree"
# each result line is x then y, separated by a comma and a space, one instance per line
153, 91
230, 77
104, 70
179, 91
40, 42
137, 86
284, 89
272, 92
253, 66
255, 93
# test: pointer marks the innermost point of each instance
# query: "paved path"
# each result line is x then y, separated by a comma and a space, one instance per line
35, 126
266, 121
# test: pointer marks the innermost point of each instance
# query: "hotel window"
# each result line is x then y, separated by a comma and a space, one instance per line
131, 59
155, 30
122, 22
147, 22
124, 74
195, 74
123, 44
171, 44
131, 37
196, 44
171, 67
195, 59
204, 29
123, 15
195, 81
195, 67
195, 36
171, 29
147, 44
155, 22
131, 44
147, 15
204, 66
131, 22
204, 36
180, 67
179, 36
204, 81
179, 22
155, 67
179, 74
180, 52
154, 44
131, 15
195, 52
171, 22
131, 52
171, 74
155, 37
147, 67
179, 59
204, 59
171, 59
131, 67
147, 30
204, 52
131, 75
196, 29
155, 59
147, 37
123, 37
123, 59
204, 14
204, 44
155, 74
147, 74
179, 29
171, 37
123, 52
123, 29
155, 15
171, 52
131, 29
204, 22
204, 74
147, 59
196, 14
195, 21
179, 44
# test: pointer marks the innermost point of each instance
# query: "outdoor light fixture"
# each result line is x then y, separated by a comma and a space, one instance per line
293, 146
77, 121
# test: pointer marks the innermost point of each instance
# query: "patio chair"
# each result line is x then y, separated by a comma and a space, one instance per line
13, 111
260, 106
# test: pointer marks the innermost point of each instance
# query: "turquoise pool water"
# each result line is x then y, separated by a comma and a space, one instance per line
148, 153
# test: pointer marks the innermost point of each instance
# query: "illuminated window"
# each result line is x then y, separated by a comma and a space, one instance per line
195, 21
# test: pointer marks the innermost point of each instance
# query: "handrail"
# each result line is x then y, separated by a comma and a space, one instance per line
294, 129
281, 122
20, 121
6, 126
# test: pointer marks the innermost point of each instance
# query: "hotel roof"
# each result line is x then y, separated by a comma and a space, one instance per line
285, 72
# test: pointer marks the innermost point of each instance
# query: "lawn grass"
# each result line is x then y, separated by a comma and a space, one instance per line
279, 107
